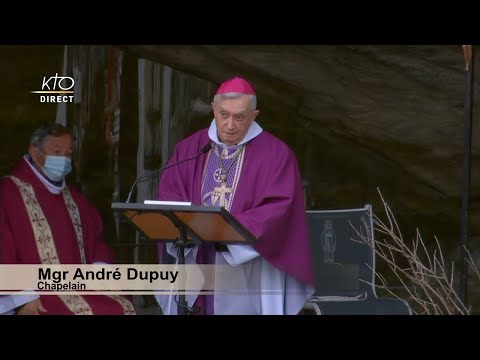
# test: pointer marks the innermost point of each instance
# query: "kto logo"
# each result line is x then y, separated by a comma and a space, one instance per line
56, 85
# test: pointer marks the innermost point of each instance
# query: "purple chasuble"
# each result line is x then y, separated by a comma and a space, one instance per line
267, 197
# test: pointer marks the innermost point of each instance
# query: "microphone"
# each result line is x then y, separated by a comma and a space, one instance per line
203, 150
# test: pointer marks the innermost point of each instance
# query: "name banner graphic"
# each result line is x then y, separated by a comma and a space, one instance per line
115, 279
108, 278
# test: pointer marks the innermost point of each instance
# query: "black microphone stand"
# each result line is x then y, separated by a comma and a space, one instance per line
140, 179
144, 177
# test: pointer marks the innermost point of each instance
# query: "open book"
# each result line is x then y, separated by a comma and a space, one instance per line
158, 202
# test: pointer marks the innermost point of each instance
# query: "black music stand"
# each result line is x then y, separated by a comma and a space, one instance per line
185, 225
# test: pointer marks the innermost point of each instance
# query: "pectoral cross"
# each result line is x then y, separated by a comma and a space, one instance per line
223, 190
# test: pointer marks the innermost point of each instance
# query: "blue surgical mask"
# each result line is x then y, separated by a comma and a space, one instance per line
57, 167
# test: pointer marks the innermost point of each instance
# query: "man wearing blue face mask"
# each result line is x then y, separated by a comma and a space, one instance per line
44, 220
55, 167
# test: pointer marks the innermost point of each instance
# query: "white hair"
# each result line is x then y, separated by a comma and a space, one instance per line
232, 95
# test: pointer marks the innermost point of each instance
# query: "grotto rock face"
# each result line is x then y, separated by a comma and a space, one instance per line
358, 117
